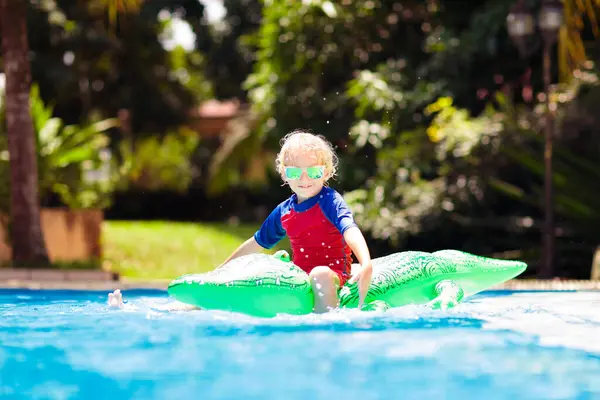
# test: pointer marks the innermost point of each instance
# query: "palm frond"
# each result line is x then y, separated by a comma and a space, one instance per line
116, 7
571, 48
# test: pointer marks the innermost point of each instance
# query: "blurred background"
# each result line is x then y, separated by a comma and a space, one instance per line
471, 125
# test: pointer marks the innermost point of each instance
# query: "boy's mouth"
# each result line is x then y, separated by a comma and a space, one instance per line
304, 186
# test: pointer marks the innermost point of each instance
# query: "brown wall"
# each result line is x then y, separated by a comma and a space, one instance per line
70, 235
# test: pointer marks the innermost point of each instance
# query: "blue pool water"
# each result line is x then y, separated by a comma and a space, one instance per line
497, 345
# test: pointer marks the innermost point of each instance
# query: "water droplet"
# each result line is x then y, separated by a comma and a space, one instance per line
321, 294
302, 249
337, 261
327, 121
326, 256
307, 256
323, 244
318, 285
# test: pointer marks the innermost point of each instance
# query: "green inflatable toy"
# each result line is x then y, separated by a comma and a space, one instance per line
267, 285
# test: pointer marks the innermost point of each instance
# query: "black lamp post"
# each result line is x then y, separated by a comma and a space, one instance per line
521, 26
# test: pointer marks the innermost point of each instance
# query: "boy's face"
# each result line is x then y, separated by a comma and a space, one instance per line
305, 187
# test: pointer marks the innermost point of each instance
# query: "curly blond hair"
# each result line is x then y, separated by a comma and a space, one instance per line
305, 141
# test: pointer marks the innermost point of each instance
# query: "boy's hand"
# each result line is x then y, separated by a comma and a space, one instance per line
363, 277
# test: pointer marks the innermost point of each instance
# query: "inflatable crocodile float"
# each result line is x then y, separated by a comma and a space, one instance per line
267, 285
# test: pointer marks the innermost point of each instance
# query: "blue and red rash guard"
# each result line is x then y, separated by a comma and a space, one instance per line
315, 228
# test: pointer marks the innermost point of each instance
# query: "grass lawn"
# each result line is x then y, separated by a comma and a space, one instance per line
164, 250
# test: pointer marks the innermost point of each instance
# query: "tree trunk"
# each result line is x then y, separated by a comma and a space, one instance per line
26, 234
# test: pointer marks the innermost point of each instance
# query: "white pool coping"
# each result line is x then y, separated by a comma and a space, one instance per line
83, 281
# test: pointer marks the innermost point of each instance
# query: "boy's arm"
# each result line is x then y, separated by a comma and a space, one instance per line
250, 246
269, 234
337, 211
355, 239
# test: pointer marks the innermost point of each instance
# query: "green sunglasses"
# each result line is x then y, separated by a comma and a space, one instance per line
294, 173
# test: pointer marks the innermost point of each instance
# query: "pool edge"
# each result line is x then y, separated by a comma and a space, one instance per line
124, 283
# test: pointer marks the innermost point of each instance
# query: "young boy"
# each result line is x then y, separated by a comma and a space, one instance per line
316, 219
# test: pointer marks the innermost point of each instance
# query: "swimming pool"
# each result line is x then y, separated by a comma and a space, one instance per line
497, 345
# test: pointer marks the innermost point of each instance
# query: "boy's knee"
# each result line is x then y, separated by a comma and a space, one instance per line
321, 273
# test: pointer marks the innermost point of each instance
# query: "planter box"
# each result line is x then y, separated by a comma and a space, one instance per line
70, 235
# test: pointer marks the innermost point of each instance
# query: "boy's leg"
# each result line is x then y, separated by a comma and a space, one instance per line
325, 284
115, 299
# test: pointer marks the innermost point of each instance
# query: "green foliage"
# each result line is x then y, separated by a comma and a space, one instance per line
184, 69
405, 91
232, 54
575, 161
307, 51
70, 158
390, 96
240, 160
155, 163
306, 54
87, 65
458, 169
400, 88
390, 109
456, 133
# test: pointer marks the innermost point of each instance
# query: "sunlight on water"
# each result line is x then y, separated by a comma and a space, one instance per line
571, 320
67, 345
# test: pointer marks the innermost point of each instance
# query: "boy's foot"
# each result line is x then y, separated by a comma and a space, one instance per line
115, 299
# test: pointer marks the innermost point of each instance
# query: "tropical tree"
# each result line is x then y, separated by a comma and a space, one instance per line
27, 239
26, 233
